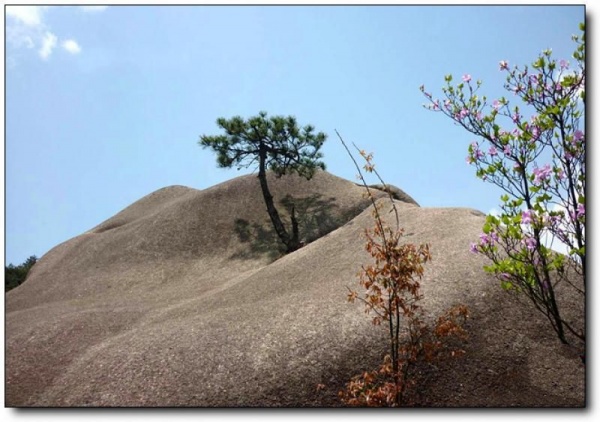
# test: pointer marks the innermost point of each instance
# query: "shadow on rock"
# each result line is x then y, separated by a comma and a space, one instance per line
316, 216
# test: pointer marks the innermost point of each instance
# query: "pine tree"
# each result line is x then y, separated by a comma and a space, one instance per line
275, 143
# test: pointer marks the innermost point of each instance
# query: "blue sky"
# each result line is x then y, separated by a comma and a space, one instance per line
105, 106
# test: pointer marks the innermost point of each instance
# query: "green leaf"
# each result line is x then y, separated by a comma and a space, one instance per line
486, 228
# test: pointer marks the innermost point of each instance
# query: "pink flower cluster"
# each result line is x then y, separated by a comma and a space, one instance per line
462, 114
578, 138
579, 212
527, 216
541, 174
476, 153
530, 243
484, 240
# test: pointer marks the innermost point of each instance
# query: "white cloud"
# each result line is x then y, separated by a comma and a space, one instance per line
71, 46
93, 8
26, 28
48, 43
28, 42
28, 15
494, 212
19, 35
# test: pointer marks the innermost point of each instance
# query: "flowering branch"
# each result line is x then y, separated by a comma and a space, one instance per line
540, 166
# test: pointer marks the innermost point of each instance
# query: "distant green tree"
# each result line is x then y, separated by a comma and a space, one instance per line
275, 143
15, 275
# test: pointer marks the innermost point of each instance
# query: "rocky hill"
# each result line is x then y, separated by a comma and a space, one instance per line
184, 299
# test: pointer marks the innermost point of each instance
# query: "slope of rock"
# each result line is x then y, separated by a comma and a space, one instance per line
176, 301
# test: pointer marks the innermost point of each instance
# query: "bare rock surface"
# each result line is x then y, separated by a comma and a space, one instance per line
183, 299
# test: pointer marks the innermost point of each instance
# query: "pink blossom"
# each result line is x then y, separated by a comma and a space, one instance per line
541, 174
476, 152
466, 78
469, 159
436, 105
564, 64
580, 210
507, 150
527, 216
577, 137
496, 105
533, 79
503, 65
493, 151
554, 220
484, 239
530, 243
473, 248
447, 104
462, 114
535, 132
516, 117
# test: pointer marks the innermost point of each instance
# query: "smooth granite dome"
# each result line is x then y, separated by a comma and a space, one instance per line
184, 299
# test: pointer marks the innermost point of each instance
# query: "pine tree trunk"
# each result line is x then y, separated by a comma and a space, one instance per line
290, 243
295, 240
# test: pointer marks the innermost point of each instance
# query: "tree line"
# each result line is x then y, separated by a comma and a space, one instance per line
15, 275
